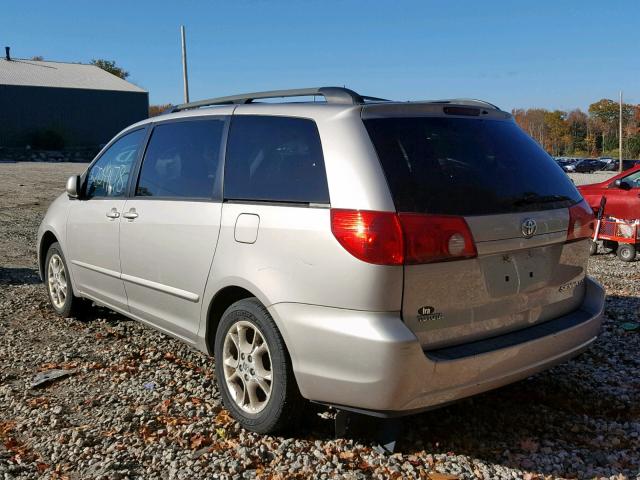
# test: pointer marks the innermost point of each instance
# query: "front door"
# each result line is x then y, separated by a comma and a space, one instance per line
169, 229
623, 203
93, 224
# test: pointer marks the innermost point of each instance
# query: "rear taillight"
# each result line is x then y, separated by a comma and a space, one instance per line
387, 238
373, 237
581, 222
435, 238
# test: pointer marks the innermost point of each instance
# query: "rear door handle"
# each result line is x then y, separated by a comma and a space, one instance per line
131, 214
113, 213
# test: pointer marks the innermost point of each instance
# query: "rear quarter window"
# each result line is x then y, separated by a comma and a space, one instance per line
461, 166
275, 159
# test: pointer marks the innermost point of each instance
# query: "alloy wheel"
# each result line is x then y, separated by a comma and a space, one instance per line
57, 281
247, 367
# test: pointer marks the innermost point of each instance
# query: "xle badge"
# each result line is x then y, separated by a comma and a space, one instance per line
428, 314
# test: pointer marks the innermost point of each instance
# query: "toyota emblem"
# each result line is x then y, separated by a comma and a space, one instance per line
529, 227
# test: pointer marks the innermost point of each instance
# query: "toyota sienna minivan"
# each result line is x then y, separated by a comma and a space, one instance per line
376, 256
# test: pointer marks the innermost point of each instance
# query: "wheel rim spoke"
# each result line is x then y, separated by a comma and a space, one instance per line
266, 387
254, 402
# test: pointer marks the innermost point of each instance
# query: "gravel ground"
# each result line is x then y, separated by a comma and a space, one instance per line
595, 177
142, 405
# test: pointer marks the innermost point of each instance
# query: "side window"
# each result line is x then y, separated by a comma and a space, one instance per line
109, 176
633, 179
275, 159
182, 160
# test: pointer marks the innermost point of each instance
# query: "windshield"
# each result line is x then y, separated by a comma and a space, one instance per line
459, 166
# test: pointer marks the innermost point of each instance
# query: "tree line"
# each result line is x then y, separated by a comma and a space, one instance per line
584, 134
574, 133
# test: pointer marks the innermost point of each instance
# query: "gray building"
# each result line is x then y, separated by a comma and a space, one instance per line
45, 102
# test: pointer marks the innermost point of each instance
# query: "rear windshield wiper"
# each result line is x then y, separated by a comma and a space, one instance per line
531, 199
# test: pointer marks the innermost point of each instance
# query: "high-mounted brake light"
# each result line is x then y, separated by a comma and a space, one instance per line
581, 222
387, 238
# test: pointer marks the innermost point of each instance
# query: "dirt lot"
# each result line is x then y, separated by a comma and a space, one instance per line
142, 405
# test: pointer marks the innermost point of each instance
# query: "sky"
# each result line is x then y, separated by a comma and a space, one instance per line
516, 54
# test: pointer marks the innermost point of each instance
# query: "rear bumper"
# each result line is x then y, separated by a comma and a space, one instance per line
371, 361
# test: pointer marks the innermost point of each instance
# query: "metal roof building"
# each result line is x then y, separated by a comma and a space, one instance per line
78, 104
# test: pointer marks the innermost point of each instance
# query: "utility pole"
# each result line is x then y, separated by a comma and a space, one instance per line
620, 134
185, 78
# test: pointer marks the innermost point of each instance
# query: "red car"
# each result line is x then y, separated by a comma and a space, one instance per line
622, 192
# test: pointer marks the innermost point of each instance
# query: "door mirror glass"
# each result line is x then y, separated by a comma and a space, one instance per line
73, 186
622, 184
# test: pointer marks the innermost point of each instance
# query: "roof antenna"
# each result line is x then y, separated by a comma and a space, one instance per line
7, 54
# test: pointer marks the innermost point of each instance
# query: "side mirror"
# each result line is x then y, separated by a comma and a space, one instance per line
622, 184
73, 186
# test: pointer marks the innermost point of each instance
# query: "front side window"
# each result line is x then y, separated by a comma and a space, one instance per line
109, 176
182, 160
276, 159
633, 179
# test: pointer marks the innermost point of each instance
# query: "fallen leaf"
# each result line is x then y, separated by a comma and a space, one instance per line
198, 441
165, 405
223, 418
346, 455
442, 476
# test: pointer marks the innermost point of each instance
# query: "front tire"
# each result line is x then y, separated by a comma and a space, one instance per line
253, 369
58, 283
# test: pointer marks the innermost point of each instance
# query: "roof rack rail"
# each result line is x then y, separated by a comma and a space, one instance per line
337, 95
467, 101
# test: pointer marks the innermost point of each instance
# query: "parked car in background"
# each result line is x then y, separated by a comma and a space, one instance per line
614, 164
384, 257
589, 165
622, 193
569, 165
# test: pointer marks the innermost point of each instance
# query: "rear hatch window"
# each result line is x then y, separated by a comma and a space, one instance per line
496, 177
463, 166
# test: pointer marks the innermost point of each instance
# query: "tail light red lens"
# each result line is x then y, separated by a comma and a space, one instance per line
387, 238
373, 237
434, 238
581, 222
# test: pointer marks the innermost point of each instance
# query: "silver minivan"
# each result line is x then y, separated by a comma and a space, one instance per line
377, 256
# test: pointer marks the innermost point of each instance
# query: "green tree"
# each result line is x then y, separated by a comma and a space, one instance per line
633, 146
111, 67
556, 132
578, 127
606, 114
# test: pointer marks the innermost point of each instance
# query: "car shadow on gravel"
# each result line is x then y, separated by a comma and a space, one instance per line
19, 276
555, 418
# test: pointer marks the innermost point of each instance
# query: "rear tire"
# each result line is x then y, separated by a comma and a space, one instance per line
626, 252
253, 369
593, 248
58, 284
